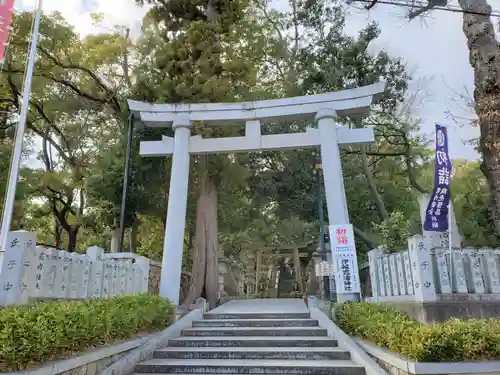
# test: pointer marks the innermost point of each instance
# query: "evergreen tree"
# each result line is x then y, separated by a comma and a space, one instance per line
198, 61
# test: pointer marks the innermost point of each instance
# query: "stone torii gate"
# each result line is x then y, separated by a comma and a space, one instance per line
322, 108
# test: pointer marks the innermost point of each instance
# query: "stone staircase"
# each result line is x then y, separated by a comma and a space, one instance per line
252, 343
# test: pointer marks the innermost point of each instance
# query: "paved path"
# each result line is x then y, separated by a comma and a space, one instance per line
266, 305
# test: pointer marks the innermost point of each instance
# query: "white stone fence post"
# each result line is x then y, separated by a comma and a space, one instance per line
30, 273
424, 273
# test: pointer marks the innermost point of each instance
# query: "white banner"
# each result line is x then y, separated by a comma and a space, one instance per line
325, 269
344, 259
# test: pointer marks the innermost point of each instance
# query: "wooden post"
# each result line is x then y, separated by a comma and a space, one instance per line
258, 266
298, 271
273, 291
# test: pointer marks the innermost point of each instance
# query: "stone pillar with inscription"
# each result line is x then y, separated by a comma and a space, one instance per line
381, 276
443, 271
394, 274
408, 273
96, 271
107, 277
421, 268
400, 265
373, 256
63, 276
387, 276
475, 268
459, 274
15, 269
490, 270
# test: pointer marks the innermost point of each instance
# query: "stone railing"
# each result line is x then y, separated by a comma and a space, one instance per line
423, 273
30, 273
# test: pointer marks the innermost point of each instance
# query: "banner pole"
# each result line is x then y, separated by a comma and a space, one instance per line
21, 127
450, 246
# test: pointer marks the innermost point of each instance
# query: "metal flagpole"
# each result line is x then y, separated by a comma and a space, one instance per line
126, 176
450, 244
18, 144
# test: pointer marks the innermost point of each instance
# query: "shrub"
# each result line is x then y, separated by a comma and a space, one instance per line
451, 341
33, 334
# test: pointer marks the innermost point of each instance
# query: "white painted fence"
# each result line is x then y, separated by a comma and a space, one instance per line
29, 272
422, 273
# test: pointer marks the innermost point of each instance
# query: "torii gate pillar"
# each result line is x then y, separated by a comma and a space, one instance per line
173, 243
332, 169
336, 201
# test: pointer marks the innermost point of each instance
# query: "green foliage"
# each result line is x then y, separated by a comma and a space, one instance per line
471, 200
263, 287
452, 341
394, 231
46, 331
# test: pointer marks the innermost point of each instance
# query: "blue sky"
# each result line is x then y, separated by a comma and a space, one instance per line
435, 53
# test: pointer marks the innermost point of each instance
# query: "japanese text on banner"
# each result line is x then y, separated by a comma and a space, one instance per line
436, 215
6, 11
344, 259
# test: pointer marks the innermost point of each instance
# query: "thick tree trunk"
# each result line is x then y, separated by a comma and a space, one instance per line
72, 236
364, 237
484, 58
57, 234
115, 240
134, 230
204, 272
212, 244
373, 185
198, 269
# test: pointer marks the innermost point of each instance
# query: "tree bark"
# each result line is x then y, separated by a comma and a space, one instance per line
57, 234
134, 230
363, 237
212, 245
204, 272
72, 236
115, 239
384, 215
485, 60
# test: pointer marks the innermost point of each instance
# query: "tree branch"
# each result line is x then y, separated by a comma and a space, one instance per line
364, 237
72, 66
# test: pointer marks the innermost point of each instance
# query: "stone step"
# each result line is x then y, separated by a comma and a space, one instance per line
256, 323
254, 331
297, 353
252, 341
217, 366
211, 316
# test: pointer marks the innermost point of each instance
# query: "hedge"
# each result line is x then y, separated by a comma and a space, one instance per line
33, 334
452, 341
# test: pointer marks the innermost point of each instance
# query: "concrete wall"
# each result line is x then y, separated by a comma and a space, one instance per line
394, 364
440, 311
89, 363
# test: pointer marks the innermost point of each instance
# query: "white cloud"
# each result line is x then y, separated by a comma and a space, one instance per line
77, 12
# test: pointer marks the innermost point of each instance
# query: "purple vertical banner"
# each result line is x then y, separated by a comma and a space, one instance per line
436, 216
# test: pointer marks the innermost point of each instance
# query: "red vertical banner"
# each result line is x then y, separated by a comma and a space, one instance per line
6, 11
